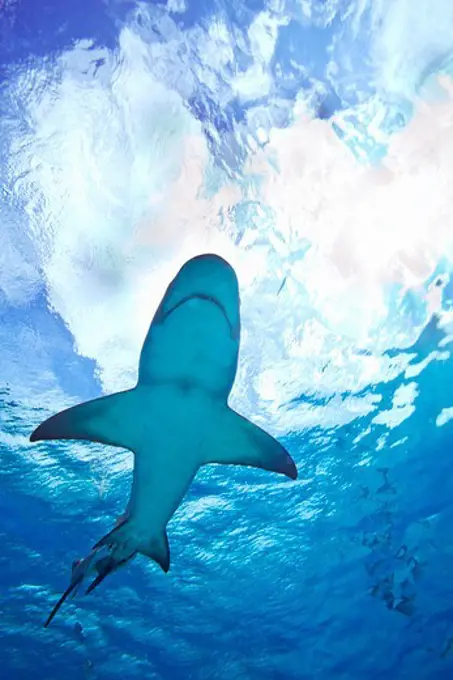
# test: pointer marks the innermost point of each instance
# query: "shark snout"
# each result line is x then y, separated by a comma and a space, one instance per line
205, 277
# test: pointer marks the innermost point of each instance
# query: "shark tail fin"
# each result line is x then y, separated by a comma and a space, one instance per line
100, 420
70, 590
105, 566
125, 541
237, 441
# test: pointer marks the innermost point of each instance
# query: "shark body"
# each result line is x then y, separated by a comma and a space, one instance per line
176, 418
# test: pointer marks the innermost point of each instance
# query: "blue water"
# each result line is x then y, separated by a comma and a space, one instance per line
310, 144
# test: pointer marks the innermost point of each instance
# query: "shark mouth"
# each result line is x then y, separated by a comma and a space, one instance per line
208, 298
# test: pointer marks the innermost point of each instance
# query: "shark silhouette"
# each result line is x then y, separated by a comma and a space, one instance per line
175, 419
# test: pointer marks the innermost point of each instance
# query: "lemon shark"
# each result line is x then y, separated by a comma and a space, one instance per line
176, 418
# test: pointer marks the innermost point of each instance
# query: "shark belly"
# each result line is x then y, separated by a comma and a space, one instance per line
158, 488
169, 452
194, 346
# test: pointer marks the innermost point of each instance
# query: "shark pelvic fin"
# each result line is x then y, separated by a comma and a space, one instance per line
159, 551
240, 442
100, 420
124, 542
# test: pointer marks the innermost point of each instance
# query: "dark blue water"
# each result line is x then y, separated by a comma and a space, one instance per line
342, 574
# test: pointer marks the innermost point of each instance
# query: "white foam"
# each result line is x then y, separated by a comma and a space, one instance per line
409, 41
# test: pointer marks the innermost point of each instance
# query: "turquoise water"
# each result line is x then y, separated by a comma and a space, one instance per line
310, 144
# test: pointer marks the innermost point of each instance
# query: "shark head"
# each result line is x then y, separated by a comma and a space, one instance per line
208, 278
194, 336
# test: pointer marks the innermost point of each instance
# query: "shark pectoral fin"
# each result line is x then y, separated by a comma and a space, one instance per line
237, 441
100, 420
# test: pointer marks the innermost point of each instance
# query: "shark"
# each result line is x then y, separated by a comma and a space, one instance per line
175, 420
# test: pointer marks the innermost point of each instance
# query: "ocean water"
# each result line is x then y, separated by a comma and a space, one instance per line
311, 144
